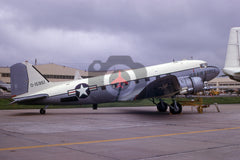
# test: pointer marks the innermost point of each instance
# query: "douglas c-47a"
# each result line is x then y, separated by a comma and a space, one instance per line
28, 86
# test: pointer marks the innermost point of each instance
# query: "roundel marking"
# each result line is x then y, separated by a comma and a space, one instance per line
82, 90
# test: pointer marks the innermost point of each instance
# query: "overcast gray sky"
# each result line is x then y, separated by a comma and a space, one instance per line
76, 32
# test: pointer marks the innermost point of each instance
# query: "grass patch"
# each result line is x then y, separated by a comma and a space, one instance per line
219, 100
5, 103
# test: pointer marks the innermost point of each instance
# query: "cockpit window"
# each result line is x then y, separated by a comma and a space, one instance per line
203, 65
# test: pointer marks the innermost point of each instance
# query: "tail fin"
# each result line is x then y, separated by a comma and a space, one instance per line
25, 78
233, 50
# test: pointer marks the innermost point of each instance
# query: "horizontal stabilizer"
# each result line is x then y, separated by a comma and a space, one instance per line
30, 98
4, 86
232, 70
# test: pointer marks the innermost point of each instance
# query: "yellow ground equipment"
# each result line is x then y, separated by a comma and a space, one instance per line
214, 92
198, 102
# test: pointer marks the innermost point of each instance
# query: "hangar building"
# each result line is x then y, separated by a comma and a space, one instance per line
53, 72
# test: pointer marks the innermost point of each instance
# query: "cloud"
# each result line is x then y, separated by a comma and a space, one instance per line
76, 31
55, 45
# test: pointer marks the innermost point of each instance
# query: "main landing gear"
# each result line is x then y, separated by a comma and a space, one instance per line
43, 110
161, 106
174, 108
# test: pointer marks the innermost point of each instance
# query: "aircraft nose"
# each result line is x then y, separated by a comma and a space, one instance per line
212, 72
217, 71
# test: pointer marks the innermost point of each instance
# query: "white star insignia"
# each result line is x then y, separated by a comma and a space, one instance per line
82, 90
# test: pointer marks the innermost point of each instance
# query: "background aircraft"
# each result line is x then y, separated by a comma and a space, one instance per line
5, 86
164, 80
232, 62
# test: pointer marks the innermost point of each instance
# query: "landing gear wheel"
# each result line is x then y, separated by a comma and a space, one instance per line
175, 108
42, 111
95, 106
162, 107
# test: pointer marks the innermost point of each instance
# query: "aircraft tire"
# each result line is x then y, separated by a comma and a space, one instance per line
42, 111
95, 106
176, 109
162, 107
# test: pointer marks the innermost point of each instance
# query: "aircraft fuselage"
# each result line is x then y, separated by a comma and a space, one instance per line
100, 89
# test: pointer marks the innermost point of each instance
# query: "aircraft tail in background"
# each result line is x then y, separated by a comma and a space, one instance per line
232, 62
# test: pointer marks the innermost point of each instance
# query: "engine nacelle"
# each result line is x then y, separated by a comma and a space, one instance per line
190, 85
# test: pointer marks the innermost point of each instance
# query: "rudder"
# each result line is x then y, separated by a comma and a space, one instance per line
25, 78
233, 50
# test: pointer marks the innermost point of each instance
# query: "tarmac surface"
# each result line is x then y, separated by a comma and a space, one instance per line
126, 133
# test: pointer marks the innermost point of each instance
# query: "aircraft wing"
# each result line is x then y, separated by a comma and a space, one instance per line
163, 87
30, 98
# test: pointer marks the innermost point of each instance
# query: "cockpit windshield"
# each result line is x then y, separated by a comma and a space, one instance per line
203, 65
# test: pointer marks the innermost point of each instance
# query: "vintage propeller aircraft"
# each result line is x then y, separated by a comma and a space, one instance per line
29, 86
5, 86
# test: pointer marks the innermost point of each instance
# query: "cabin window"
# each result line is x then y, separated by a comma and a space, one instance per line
115, 85
203, 65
